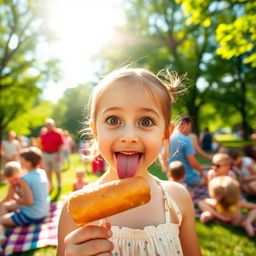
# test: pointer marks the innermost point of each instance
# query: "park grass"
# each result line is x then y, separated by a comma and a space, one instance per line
215, 239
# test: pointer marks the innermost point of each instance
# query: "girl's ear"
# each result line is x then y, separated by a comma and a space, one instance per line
94, 130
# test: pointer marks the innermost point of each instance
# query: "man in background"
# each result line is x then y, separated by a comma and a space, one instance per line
51, 141
182, 150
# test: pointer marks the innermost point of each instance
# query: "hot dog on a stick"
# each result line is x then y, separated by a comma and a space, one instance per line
98, 202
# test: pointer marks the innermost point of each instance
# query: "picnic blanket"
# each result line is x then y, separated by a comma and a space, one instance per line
20, 239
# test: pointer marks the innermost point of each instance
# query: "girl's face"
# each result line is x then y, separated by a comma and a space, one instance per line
129, 129
219, 165
14, 179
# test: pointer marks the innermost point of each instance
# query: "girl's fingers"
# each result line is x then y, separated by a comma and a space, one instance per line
91, 247
85, 233
89, 240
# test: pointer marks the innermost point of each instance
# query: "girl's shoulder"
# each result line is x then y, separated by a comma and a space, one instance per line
179, 194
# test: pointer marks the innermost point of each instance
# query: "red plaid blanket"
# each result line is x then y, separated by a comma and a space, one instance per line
20, 239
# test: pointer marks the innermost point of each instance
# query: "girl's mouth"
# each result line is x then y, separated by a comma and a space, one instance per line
127, 163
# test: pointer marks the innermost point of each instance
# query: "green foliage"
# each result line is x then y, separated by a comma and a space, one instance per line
156, 36
236, 33
35, 117
70, 112
21, 74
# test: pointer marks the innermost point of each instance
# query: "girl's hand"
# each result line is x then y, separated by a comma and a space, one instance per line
89, 240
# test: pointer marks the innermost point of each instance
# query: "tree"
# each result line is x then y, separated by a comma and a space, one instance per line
29, 122
236, 34
21, 73
234, 23
70, 111
156, 36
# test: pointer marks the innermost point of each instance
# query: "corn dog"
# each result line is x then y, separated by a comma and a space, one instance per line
98, 202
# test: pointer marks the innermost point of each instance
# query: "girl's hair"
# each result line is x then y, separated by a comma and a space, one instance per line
233, 153
225, 190
161, 90
10, 168
32, 154
250, 151
223, 157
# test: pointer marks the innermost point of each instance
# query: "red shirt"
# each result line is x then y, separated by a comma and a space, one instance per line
51, 141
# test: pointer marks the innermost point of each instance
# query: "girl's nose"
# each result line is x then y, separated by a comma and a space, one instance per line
129, 136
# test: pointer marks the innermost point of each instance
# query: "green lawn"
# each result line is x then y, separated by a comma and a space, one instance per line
215, 239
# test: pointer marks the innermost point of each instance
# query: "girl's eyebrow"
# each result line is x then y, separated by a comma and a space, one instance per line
151, 110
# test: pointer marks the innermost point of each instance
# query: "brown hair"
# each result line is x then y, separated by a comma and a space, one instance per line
10, 168
184, 118
161, 90
249, 151
33, 155
225, 190
176, 170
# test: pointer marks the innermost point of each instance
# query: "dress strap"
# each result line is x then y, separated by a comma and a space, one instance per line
169, 204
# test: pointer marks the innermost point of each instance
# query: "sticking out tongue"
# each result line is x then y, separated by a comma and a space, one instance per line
127, 165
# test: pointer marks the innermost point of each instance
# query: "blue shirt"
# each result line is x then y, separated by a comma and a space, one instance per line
181, 147
38, 183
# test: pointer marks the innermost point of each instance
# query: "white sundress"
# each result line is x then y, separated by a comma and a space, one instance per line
160, 240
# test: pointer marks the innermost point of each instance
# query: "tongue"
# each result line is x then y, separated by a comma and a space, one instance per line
127, 165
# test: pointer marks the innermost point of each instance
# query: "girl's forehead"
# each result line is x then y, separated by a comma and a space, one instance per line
133, 94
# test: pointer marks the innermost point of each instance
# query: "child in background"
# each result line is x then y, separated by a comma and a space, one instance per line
12, 171
245, 166
98, 165
81, 181
221, 165
176, 171
34, 202
225, 204
129, 117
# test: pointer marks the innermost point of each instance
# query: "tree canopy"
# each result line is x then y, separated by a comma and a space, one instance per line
236, 29
22, 74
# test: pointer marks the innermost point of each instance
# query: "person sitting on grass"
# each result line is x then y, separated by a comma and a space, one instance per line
221, 166
225, 204
245, 166
12, 171
34, 202
80, 180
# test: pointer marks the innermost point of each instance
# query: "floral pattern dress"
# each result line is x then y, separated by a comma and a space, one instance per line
160, 240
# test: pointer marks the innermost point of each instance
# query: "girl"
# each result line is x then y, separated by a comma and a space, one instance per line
129, 117
80, 180
225, 204
245, 166
221, 166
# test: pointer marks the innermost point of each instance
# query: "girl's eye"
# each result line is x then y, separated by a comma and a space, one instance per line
113, 120
146, 122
